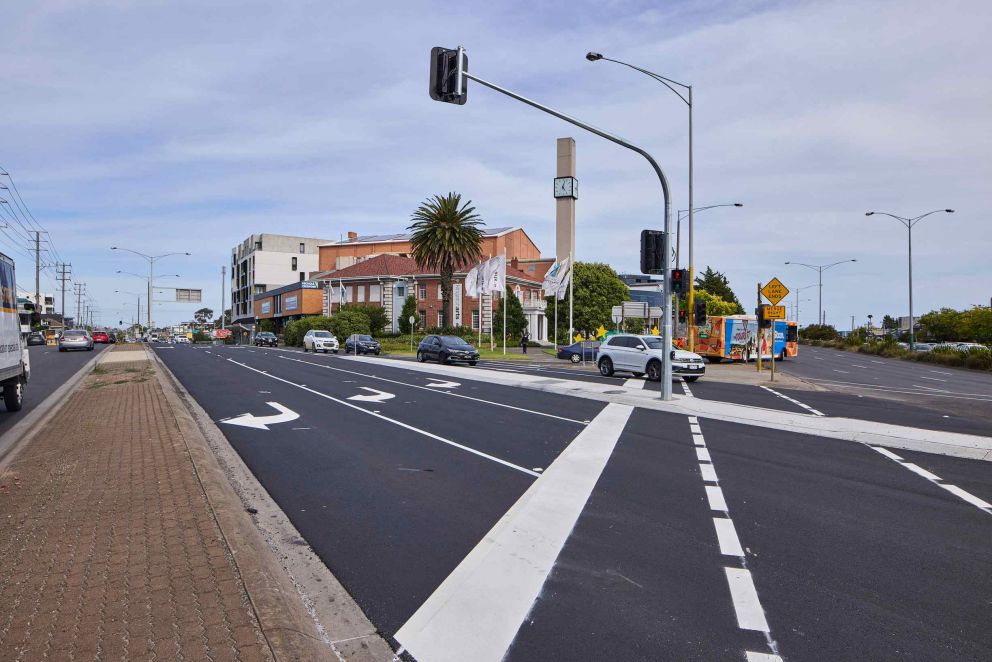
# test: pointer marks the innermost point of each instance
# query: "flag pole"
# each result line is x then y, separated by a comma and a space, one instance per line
506, 302
571, 298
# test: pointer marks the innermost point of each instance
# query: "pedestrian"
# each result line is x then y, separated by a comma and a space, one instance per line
524, 339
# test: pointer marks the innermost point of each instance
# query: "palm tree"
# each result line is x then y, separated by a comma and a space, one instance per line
445, 236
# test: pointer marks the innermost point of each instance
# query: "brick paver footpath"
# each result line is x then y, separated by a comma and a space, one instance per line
108, 546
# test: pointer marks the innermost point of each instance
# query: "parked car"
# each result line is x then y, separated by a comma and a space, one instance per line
642, 355
183, 340
923, 346
37, 338
320, 341
101, 337
266, 339
75, 339
366, 345
575, 351
113, 338
971, 346
447, 349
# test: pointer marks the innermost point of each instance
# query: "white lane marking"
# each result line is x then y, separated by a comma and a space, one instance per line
762, 657
857, 365
441, 383
285, 415
449, 393
477, 611
941, 372
377, 395
843, 371
685, 387
726, 535
968, 497
750, 616
702, 454
981, 397
708, 472
933, 379
874, 361
819, 358
697, 439
392, 420
715, 497
801, 404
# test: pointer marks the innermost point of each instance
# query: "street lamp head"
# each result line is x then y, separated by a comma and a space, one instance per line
592, 57
949, 211
738, 204
788, 263
113, 248
854, 259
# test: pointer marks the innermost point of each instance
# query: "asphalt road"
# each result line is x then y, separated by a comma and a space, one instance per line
844, 552
49, 370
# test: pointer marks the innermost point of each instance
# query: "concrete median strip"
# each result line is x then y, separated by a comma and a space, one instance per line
953, 444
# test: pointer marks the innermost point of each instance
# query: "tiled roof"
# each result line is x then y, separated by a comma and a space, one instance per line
405, 236
396, 265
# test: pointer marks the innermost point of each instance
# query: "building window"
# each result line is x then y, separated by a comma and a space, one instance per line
360, 293
423, 318
303, 276
303, 247
375, 293
258, 245
400, 291
440, 318
475, 319
294, 264
440, 294
278, 304
423, 292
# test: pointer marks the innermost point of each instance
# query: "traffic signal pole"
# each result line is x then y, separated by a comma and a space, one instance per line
666, 376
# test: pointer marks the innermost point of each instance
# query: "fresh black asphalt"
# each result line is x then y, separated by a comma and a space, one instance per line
853, 556
50, 369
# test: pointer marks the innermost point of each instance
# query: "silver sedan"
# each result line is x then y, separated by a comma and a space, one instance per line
75, 339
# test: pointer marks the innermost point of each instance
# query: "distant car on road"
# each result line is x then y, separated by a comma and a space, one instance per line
366, 345
575, 351
447, 349
101, 337
183, 340
319, 340
643, 355
971, 346
36, 338
75, 339
266, 339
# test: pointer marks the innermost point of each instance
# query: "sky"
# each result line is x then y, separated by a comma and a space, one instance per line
169, 126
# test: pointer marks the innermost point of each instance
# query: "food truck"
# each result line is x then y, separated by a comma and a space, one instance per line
737, 337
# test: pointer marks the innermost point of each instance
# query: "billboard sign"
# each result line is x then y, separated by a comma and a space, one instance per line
309, 285
188, 296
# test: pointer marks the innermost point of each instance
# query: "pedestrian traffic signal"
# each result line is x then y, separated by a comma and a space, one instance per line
653, 247
680, 280
763, 322
699, 313
445, 84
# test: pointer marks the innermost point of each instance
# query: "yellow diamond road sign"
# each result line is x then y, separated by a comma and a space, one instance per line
774, 291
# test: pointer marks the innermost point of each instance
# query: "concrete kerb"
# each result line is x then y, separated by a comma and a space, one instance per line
21, 433
847, 429
304, 611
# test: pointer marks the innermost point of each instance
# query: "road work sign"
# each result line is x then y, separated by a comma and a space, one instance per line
775, 291
775, 312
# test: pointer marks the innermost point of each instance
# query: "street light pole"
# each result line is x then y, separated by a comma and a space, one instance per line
151, 273
909, 223
820, 268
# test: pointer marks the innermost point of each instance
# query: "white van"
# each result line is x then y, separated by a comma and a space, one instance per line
15, 324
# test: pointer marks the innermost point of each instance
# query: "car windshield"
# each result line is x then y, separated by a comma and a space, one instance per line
265, 334
454, 341
322, 334
654, 342
365, 338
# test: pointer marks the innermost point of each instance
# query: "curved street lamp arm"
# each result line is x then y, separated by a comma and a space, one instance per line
803, 264
827, 266
118, 248
916, 220
159, 257
661, 79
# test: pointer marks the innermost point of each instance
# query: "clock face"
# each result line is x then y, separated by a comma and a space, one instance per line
565, 187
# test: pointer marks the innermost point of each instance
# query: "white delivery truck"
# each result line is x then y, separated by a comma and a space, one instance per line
15, 365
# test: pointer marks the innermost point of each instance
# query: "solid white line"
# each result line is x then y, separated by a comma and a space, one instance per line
708, 472
434, 390
477, 611
794, 401
921, 471
967, 496
750, 616
392, 420
933, 379
762, 657
715, 496
887, 453
702, 454
726, 535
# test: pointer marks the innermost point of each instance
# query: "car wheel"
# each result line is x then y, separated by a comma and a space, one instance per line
691, 379
420, 356
61, 349
575, 358
13, 395
442, 358
654, 371
335, 351
606, 367
89, 349
473, 363
638, 374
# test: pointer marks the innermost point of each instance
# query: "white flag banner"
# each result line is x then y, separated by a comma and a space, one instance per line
472, 281
342, 293
550, 283
562, 291
496, 274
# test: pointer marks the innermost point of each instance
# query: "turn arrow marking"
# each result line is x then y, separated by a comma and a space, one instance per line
440, 383
379, 396
285, 415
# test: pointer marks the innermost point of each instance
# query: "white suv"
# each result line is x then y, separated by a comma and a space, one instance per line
643, 355
320, 341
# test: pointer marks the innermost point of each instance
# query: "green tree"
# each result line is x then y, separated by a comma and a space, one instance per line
597, 288
819, 332
376, 315
444, 237
716, 305
889, 322
716, 283
633, 325
266, 325
346, 322
293, 332
940, 325
975, 325
516, 321
409, 310
203, 315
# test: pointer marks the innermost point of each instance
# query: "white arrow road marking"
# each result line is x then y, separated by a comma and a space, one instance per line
440, 383
285, 415
379, 396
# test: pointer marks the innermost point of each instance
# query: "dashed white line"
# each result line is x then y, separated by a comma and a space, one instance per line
842, 371
968, 497
941, 372
726, 535
750, 616
762, 657
805, 406
702, 454
715, 497
933, 379
685, 387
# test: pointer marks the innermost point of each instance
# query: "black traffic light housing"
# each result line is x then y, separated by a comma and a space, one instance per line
653, 247
680, 281
682, 316
444, 76
699, 313
763, 322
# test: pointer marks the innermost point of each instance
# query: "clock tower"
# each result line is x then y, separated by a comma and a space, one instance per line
566, 193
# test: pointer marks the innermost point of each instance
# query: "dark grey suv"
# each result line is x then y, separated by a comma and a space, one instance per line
447, 349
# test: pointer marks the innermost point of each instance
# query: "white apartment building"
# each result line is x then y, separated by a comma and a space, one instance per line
47, 300
266, 261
